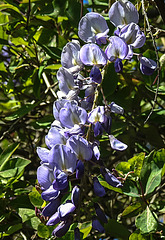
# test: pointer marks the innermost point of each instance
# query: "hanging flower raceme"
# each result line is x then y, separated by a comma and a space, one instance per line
73, 157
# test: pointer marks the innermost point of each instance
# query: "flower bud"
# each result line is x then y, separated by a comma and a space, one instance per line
100, 213
110, 178
97, 225
98, 188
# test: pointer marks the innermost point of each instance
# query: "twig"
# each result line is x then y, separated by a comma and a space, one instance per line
81, 13
157, 61
49, 87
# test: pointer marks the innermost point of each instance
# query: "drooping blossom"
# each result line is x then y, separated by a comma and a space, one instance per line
110, 178
93, 28
97, 225
80, 147
116, 144
91, 54
70, 56
123, 12
98, 188
147, 66
71, 114
132, 35
117, 48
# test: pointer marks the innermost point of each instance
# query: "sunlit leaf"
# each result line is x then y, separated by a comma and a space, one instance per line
147, 221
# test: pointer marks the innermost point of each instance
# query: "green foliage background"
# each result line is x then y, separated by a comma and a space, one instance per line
32, 35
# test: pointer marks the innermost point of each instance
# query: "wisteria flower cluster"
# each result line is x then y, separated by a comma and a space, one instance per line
71, 141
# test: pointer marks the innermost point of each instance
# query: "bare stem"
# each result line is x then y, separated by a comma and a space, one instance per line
49, 87
157, 60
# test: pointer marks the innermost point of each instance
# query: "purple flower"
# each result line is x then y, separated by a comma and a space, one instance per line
91, 54
116, 144
93, 28
100, 213
51, 208
95, 75
106, 125
123, 13
97, 115
54, 136
57, 107
50, 194
76, 234
147, 66
75, 195
54, 219
45, 176
70, 55
71, 114
60, 180
62, 158
65, 209
132, 35
110, 178
116, 108
79, 169
118, 65
97, 225
43, 154
96, 151
65, 79
117, 48
80, 147
62, 228
98, 188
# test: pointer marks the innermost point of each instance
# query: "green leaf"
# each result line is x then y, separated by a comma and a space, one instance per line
35, 198
85, 228
73, 12
154, 178
34, 222
110, 80
26, 214
53, 66
7, 153
137, 163
124, 167
53, 52
43, 231
13, 229
147, 222
105, 184
117, 230
16, 162
22, 111
151, 171
132, 210
69, 236
137, 236
14, 11
13, 167
130, 188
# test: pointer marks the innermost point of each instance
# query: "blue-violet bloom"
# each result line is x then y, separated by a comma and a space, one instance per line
93, 28
91, 54
122, 13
